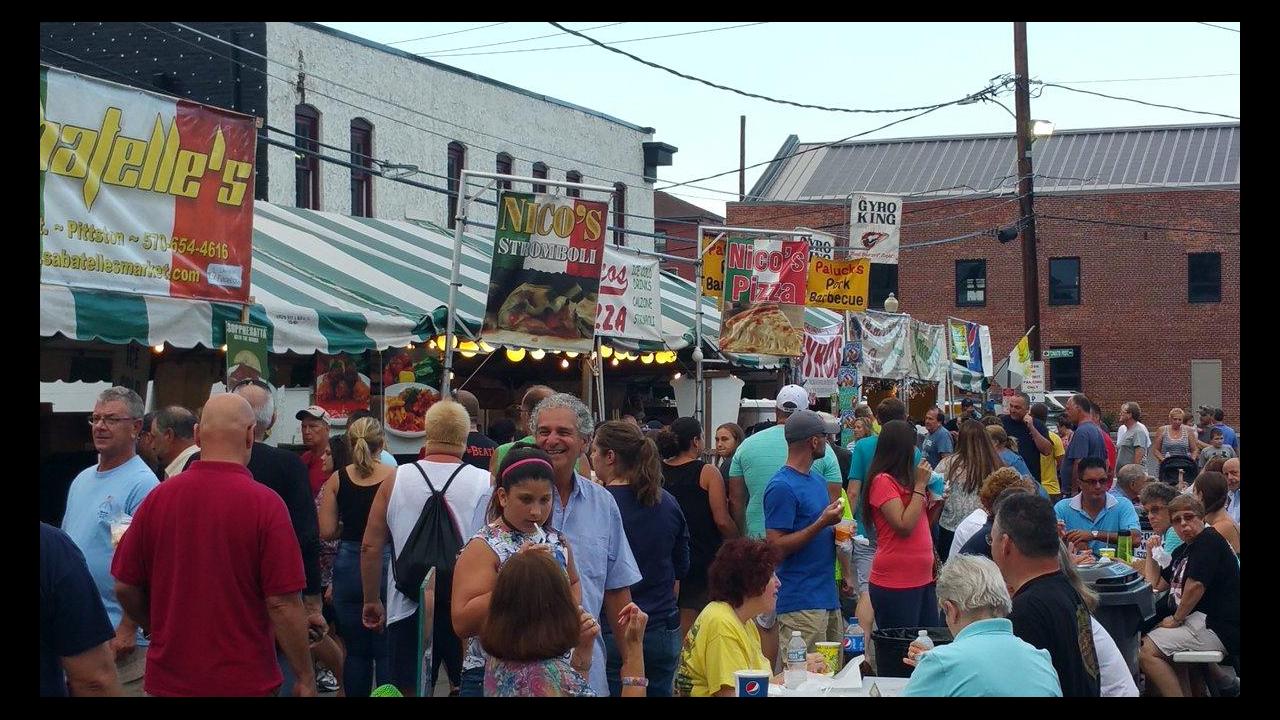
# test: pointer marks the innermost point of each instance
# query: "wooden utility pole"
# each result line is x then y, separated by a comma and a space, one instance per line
1030, 267
742, 158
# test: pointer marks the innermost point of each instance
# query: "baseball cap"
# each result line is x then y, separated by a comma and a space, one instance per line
792, 398
315, 412
803, 425
833, 423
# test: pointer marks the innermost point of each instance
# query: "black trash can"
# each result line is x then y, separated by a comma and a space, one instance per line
891, 646
1125, 600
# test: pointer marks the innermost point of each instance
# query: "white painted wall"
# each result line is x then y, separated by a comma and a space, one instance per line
566, 137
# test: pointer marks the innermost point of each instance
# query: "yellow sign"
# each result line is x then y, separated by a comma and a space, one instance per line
713, 267
838, 284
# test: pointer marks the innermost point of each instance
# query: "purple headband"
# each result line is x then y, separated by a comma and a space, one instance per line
526, 461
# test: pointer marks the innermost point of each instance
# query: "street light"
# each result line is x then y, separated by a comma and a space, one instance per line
891, 304
1041, 128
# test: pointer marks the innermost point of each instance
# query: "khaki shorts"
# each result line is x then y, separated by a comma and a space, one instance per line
1191, 635
815, 626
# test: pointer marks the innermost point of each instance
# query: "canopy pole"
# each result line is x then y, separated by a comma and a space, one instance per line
450, 338
597, 367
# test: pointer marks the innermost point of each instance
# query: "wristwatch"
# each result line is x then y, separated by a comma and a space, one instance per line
1095, 534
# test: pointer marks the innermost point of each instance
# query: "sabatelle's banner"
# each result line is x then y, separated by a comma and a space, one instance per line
629, 306
547, 255
823, 351
142, 193
762, 310
929, 359
874, 225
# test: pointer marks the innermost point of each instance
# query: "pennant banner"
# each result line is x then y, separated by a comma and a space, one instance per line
762, 308
929, 352
886, 345
821, 363
874, 223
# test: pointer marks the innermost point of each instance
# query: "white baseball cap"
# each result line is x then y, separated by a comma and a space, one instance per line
315, 412
792, 398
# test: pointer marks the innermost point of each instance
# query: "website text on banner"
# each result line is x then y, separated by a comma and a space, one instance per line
874, 227
763, 306
547, 255
246, 352
821, 362
142, 193
629, 305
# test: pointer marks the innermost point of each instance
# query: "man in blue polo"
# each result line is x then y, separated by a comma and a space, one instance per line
1096, 516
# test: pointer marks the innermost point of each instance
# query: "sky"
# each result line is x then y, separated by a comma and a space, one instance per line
850, 65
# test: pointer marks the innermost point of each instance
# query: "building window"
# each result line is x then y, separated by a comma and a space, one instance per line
1064, 281
575, 177
540, 171
1064, 368
361, 178
306, 129
971, 283
882, 281
503, 167
457, 156
619, 214
1204, 277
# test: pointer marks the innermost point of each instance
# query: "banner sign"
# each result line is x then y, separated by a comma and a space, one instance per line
838, 284
762, 309
547, 254
886, 345
986, 359
629, 305
823, 350
874, 224
143, 194
713, 265
957, 332
1033, 384
246, 352
929, 352
850, 385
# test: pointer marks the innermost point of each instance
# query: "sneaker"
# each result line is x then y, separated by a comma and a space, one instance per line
326, 681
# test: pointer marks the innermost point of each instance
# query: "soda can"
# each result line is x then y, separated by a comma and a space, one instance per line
832, 654
752, 683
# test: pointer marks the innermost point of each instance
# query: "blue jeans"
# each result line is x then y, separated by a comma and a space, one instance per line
366, 650
472, 683
661, 656
910, 608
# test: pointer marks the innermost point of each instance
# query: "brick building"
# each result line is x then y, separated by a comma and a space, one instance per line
1141, 307
678, 221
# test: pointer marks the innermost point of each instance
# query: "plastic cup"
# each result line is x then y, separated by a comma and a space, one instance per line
1108, 552
833, 654
844, 531
752, 683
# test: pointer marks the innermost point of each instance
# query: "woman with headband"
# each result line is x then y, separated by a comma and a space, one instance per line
519, 513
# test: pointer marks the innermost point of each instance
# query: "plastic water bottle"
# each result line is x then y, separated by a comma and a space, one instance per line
923, 641
796, 671
854, 644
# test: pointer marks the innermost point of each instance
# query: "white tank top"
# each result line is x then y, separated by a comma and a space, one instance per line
408, 497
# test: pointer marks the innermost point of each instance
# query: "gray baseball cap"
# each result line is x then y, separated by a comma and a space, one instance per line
803, 425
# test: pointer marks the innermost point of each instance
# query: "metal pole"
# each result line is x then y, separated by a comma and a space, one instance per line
697, 331
1030, 269
460, 221
598, 369
742, 158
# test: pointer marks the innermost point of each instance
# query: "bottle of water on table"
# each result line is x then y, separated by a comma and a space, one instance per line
795, 671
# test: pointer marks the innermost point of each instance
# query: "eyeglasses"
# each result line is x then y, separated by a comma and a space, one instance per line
1184, 518
108, 419
1099, 481
250, 381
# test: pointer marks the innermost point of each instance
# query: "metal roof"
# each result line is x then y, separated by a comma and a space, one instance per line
1170, 156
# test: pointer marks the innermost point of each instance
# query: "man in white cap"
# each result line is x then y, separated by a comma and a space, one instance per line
315, 436
760, 456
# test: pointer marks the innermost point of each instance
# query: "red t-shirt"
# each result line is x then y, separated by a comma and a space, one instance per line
211, 544
315, 471
900, 563
1111, 452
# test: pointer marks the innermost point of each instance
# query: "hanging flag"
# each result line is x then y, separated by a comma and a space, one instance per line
821, 363
1016, 368
984, 350
874, 222
886, 345
929, 352
959, 340
762, 308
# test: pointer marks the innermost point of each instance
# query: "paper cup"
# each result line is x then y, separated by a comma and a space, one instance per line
832, 653
752, 683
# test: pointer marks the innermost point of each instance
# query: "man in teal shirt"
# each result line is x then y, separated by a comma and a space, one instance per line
759, 458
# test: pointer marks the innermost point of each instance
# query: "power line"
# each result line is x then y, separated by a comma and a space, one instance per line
1148, 79
1220, 27
512, 42
1140, 102
580, 45
1135, 225
455, 32
744, 93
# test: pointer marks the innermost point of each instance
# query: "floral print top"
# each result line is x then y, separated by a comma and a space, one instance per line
544, 678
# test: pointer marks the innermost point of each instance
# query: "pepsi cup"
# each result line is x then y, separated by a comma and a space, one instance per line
752, 683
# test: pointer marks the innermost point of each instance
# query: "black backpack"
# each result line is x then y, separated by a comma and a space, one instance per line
434, 542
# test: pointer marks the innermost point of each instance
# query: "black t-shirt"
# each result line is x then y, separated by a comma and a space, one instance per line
72, 616
845, 458
1026, 446
1049, 614
1209, 560
979, 543
479, 450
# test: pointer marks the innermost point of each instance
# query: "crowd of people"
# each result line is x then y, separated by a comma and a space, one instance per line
615, 559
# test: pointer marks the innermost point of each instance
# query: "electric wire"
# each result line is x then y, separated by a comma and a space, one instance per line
440, 35
1220, 27
1140, 102
512, 42
581, 45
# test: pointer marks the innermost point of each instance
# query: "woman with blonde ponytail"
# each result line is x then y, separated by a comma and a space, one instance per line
627, 463
345, 500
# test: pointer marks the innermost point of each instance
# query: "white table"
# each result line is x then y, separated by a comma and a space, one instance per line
888, 686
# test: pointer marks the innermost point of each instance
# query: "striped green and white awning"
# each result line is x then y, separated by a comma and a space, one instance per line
333, 283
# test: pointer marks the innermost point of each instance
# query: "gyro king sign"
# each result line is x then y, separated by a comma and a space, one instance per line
142, 193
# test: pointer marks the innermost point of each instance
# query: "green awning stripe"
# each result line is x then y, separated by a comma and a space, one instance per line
111, 317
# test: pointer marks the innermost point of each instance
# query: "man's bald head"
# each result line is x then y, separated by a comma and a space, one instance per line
469, 401
263, 403
532, 397
1231, 469
226, 429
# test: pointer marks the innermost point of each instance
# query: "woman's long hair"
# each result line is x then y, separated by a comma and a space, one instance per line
367, 440
1001, 438
895, 451
532, 614
637, 456
975, 457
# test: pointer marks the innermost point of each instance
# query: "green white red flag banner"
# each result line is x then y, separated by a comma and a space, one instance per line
142, 193
762, 309
544, 285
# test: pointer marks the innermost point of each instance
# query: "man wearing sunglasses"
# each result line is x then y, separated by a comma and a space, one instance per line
1095, 516
100, 503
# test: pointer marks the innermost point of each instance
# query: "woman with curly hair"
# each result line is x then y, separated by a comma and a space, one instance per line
978, 522
741, 584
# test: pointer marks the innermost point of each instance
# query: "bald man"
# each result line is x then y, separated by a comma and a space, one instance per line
211, 567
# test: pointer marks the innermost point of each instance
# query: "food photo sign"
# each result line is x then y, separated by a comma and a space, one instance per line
342, 385
762, 309
409, 380
547, 256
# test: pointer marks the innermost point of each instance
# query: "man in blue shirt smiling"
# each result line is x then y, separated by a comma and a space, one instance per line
798, 519
1096, 516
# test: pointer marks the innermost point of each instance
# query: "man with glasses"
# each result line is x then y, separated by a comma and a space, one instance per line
1096, 516
100, 505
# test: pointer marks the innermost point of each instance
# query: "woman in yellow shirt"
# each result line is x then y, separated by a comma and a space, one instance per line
741, 585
